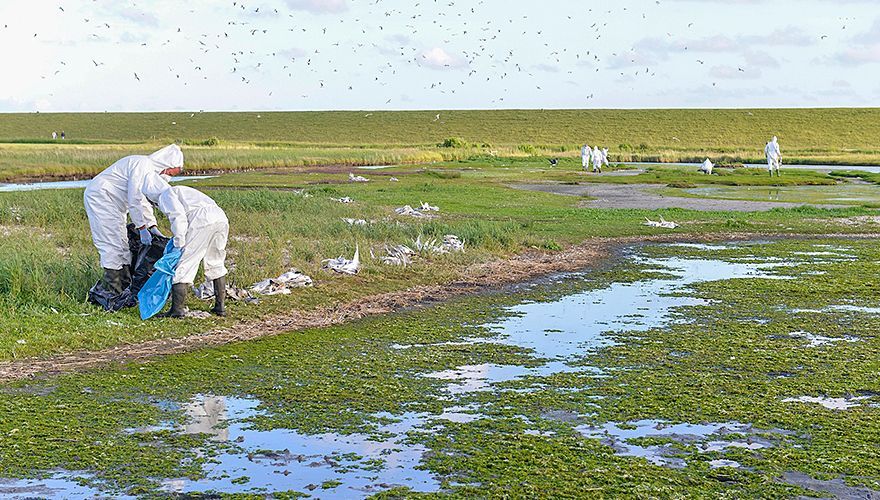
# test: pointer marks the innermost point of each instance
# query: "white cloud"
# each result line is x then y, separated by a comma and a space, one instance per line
439, 58
318, 6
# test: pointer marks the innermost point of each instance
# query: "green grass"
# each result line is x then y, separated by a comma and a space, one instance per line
233, 141
47, 261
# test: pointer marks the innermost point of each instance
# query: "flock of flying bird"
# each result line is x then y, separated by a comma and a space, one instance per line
493, 49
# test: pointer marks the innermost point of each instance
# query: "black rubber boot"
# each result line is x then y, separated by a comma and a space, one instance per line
113, 280
126, 276
178, 301
219, 297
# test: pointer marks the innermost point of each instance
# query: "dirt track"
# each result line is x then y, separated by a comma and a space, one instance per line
479, 278
640, 196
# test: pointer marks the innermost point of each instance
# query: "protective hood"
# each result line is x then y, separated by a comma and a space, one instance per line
168, 157
154, 186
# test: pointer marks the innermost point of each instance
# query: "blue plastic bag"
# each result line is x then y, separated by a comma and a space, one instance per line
154, 294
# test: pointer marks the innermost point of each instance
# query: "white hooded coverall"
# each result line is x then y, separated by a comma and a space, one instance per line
707, 167
117, 191
199, 227
773, 155
597, 159
585, 156
605, 156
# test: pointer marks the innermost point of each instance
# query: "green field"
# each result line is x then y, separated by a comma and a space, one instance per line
730, 352
228, 141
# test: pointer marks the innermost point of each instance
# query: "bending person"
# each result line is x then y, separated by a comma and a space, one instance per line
115, 192
201, 230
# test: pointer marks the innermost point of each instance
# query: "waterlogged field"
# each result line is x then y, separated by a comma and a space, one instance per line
746, 369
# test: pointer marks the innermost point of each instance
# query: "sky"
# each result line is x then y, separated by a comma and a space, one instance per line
166, 55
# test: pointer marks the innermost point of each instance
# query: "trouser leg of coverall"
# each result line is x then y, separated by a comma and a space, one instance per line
109, 235
208, 244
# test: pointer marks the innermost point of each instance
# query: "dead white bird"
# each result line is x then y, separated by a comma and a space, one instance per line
452, 243
357, 178
410, 211
394, 179
283, 284
428, 208
205, 291
355, 222
398, 255
663, 223
344, 266
344, 199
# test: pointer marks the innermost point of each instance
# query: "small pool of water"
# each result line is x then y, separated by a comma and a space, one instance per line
874, 169
36, 186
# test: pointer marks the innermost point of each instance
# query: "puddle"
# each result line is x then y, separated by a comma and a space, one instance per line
818, 340
59, 485
36, 186
350, 466
376, 167
829, 403
705, 437
835, 487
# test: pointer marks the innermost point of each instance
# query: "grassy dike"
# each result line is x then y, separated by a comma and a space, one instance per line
258, 140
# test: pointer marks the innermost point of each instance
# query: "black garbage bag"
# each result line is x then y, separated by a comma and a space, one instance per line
143, 260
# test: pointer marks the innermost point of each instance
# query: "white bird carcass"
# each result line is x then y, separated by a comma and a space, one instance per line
428, 208
394, 179
410, 211
283, 284
451, 243
344, 199
354, 222
357, 178
662, 223
398, 255
344, 266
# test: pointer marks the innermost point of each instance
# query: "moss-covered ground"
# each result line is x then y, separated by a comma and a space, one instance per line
731, 360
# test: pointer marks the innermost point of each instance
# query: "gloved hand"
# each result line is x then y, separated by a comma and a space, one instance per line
155, 232
146, 237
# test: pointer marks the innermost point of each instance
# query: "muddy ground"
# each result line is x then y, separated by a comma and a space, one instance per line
639, 196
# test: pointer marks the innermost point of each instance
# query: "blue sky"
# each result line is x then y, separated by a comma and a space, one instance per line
437, 54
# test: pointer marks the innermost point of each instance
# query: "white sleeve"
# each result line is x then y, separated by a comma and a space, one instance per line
176, 212
139, 207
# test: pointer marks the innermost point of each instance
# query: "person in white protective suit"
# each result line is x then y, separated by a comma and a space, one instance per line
774, 156
707, 167
597, 160
200, 228
605, 156
585, 156
116, 192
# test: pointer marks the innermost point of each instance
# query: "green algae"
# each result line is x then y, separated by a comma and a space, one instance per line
716, 364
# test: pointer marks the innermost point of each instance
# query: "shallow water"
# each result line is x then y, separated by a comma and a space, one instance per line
557, 332
846, 194
36, 186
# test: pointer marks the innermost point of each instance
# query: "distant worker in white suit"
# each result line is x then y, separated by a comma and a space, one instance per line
585, 156
597, 160
117, 191
774, 156
707, 167
201, 230
605, 156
